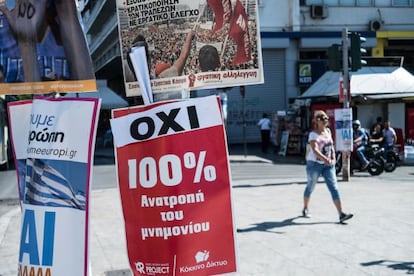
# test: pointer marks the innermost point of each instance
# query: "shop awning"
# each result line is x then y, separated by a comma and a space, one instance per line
371, 82
405, 95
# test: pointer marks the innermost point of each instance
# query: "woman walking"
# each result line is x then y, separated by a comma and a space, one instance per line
321, 162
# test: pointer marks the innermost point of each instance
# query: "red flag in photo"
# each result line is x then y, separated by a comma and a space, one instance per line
239, 32
222, 12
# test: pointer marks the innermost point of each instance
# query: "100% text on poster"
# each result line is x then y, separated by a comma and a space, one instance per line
169, 169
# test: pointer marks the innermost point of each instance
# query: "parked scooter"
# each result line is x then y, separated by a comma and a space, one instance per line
374, 155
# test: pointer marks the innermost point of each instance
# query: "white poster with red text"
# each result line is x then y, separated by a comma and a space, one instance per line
174, 180
53, 143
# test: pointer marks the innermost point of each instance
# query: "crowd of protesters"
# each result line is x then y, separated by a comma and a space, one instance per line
166, 41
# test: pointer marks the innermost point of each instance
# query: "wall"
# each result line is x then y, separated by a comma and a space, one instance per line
367, 114
274, 15
285, 15
268, 97
396, 115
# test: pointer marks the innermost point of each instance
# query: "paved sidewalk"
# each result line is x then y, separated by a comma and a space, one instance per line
272, 239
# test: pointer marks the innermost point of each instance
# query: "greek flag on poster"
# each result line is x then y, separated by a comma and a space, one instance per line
47, 187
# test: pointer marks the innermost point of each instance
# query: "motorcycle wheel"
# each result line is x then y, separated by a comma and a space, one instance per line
390, 164
376, 166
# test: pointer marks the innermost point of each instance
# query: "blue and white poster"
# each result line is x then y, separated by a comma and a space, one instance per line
53, 143
343, 129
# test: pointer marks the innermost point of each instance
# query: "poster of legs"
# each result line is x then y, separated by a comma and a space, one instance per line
43, 48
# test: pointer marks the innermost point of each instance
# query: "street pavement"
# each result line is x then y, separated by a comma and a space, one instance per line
272, 237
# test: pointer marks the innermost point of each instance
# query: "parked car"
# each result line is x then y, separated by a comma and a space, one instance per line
409, 154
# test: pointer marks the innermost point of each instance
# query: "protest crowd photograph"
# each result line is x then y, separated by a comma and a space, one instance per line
231, 28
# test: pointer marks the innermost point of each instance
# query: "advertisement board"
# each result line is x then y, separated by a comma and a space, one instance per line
53, 143
40, 54
174, 181
343, 129
190, 44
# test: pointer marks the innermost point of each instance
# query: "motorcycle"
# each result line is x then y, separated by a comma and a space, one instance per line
391, 160
374, 155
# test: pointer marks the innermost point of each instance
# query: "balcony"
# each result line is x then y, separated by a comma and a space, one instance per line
107, 30
98, 14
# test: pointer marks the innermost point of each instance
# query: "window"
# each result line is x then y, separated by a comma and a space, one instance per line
401, 3
346, 3
314, 2
357, 3
330, 2
365, 3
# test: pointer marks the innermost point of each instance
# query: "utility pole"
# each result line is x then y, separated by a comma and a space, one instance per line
347, 96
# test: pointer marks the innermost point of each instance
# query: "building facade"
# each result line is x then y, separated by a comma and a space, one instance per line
293, 33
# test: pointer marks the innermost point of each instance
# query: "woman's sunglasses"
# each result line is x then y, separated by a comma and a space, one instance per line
324, 119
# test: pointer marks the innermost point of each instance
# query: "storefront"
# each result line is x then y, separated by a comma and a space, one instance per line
386, 92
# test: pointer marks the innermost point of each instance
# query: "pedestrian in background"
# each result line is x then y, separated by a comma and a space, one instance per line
377, 136
361, 140
390, 136
377, 122
265, 125
321, 162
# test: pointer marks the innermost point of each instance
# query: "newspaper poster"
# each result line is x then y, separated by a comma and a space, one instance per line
175, 193
53, 144
191, 44
43, 48
343, 129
